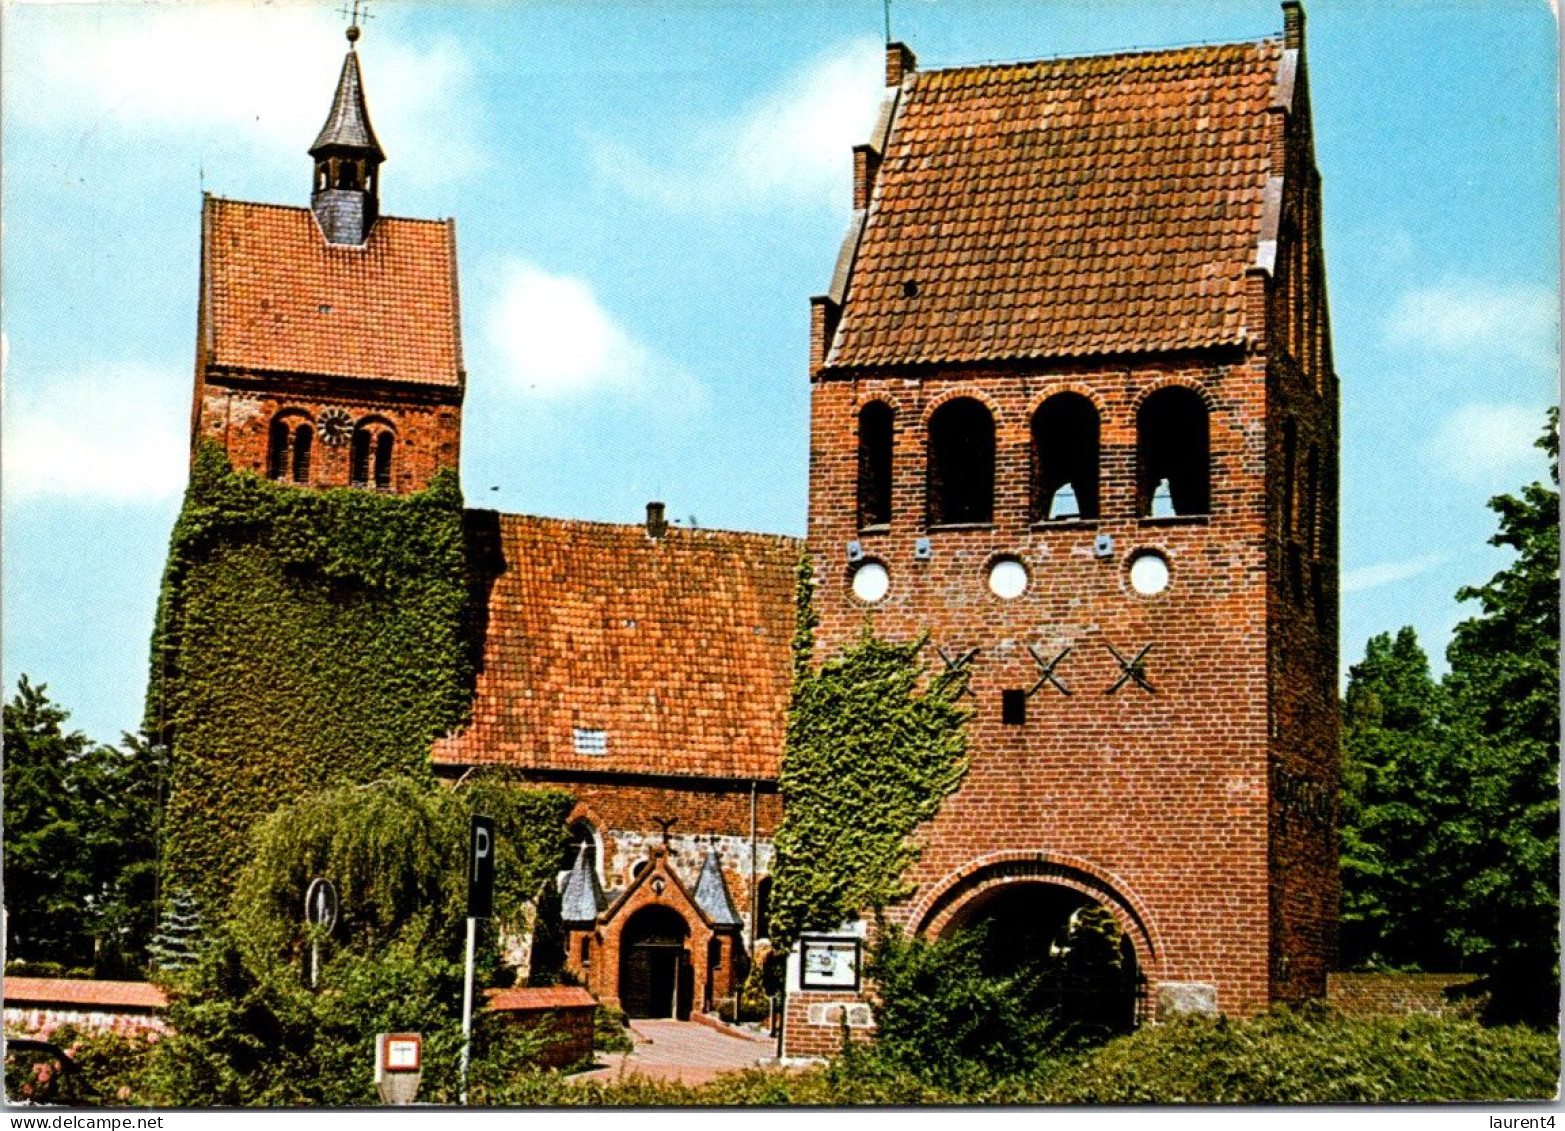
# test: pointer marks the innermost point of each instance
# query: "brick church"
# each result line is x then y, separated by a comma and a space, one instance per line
1073, 416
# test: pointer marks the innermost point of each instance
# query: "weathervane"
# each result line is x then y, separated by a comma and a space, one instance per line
359, 10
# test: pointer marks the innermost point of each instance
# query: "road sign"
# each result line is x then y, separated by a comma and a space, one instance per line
480, 869
320, 904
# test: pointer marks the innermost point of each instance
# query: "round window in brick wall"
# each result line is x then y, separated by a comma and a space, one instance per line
1149, 573
871, 582
1007, 579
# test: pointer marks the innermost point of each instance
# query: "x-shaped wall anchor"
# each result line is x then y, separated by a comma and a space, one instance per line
1131, 670
958, 664
1047, 669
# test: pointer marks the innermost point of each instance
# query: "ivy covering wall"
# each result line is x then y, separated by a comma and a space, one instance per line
305, 639
875, 743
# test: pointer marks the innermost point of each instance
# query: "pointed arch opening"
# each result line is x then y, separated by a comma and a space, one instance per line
1065, 449
960, 486
876, 423
1173, 443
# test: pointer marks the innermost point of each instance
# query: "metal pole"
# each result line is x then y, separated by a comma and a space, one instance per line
467, 1007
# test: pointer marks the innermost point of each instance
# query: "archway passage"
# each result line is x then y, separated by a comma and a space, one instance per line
655, 975
1065, 951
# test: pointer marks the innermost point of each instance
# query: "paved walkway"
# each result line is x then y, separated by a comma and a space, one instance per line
683, 1051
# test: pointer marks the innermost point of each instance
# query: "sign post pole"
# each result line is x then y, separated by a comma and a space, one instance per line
480, 905
467, 1006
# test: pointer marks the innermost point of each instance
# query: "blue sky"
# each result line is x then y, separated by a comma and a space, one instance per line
646, 196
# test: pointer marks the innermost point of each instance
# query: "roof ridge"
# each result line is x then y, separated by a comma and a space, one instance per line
1116, 53
637, 526
439, 222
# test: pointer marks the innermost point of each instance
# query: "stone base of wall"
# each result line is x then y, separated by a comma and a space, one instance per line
1400, 995
813, 1023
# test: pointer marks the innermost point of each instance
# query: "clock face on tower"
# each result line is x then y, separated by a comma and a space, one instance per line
335, 424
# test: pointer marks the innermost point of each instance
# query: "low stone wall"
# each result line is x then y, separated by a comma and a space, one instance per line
1399, 995
38, 1006
567, 1011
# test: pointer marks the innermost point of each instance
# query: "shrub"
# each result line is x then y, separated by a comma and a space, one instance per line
1307, 1055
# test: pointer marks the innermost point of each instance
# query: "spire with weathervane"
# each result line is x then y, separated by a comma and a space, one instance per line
346, 194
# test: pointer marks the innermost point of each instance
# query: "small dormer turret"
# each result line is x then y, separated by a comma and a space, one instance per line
346, 193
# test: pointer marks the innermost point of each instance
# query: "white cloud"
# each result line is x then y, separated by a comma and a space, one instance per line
1516, 321
1487, 445
555, 338
792, 146
265, 73
1385, 573
118, 434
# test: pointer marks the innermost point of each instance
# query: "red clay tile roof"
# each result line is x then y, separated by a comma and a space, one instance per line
524, 998
678, 650
280, 298
38, 992
1065, 208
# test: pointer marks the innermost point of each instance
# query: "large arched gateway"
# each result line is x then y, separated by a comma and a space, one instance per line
655, 971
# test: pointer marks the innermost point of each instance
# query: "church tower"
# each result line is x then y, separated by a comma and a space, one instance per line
1074, 417
329, 351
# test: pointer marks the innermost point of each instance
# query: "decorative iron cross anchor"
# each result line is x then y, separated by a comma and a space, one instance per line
1047, 669
1134, 669
956, 664
664, 823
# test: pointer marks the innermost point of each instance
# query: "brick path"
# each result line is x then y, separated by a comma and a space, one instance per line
683, 1051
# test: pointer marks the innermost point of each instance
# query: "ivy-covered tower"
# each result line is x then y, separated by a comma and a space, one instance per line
329, 352
310, 638
1074, 417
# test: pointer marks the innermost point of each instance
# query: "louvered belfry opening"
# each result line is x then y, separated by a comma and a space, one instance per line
961, 464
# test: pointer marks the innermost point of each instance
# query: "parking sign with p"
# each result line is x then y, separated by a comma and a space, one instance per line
480, 869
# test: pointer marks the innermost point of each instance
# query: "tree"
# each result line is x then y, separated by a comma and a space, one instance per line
48, 880
1394, 798
81, 825
250, 1030
1503, 719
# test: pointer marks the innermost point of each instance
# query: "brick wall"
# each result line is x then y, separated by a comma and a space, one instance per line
1397, 995
238, 414
1154, 802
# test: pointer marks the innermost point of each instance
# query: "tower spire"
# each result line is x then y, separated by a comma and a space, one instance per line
346, 192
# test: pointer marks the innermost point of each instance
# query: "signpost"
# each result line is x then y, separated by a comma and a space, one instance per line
480, 905
399, 1063
320, 910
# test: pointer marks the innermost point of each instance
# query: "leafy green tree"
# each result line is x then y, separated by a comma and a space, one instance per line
48, 877
1395, 797
249, 1030
1503, 719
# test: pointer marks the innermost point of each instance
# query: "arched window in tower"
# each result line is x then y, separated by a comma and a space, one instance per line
303, 440
875, 431
288, 447
374, 441
1064, 459
961, 464
1311, 519
359, 464
384, 443
1173, 447
277, 449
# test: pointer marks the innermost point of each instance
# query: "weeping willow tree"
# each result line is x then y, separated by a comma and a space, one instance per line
251, 1030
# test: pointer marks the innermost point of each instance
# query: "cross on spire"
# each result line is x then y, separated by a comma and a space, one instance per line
359, 9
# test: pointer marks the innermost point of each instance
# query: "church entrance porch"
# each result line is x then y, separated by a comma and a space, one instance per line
655, 975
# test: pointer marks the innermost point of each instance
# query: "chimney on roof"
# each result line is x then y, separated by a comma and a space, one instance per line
1292, 24
657, 525
900, 62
